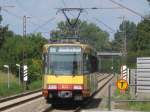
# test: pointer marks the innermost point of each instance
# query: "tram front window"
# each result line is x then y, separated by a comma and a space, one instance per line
65, 62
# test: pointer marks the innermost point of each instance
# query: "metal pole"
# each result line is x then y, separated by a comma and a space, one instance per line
24, 26
100, 64
19, 76
0, 10
124, 40
109, 97
8, 78
24, 53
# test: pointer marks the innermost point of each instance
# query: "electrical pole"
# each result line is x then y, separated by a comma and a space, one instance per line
24, 35
24, 26
124, 40
0, 16
24, 61
0, 10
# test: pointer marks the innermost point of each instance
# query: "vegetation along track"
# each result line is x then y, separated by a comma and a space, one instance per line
106, 80
10, 102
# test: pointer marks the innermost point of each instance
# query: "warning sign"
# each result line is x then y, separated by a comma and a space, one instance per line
122, 84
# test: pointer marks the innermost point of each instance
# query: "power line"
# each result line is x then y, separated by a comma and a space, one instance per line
40, 26
93, 8
124, 47
20, 18
24, 9
80, 4
105, 8
20, 5
131, 10
13, 14
111, 29
65, 5
107, 26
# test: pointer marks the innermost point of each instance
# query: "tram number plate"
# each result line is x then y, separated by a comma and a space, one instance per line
65, 94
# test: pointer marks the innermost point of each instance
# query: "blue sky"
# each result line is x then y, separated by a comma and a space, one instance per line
42, 10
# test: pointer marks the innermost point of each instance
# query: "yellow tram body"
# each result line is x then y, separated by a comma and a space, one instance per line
63, 83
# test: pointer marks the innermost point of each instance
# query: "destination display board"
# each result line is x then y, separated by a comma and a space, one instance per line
64, 49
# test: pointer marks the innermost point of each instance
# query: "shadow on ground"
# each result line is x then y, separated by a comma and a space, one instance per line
72, 105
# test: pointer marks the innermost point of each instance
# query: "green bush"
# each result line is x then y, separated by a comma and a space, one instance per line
14, 89
35, 85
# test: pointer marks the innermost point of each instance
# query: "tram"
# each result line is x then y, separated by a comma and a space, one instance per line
70, 70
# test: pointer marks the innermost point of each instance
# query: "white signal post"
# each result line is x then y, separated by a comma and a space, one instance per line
25, 76
25, 73
125, 73
8, 75
18, 65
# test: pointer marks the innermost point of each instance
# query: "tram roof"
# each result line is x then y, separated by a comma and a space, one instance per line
86, 47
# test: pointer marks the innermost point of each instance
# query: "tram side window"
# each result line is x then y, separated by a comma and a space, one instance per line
86, 64
94, 63
45, 61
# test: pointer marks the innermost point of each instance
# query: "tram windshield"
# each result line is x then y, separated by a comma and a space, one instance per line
64, 60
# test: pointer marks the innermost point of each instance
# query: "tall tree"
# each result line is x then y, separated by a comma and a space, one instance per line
1, 19
143, 38
4, 32
148, 1
127, 29
12, 53
87, 31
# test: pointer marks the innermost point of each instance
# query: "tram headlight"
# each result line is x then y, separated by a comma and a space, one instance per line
52, 87
77, 87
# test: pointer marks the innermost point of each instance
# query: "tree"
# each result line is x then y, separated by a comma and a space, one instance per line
12, 53
148, 1
128, 30
143, 38
4, 33
1, 18
98, 38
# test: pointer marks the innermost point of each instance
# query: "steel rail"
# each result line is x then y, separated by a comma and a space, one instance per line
19, 95
19, 102
103, 78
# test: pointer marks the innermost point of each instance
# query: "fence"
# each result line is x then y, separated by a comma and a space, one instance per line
132, 80
143, 74
129, 99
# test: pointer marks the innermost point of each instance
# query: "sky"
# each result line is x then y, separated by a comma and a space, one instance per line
43, 17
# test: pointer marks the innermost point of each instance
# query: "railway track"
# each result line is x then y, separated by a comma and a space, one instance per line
13, 101
17, 100
106, 79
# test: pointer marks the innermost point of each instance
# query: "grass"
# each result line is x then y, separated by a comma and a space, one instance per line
35, 85
3, 78
136, 106
15, 88
139, 106
121, 96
